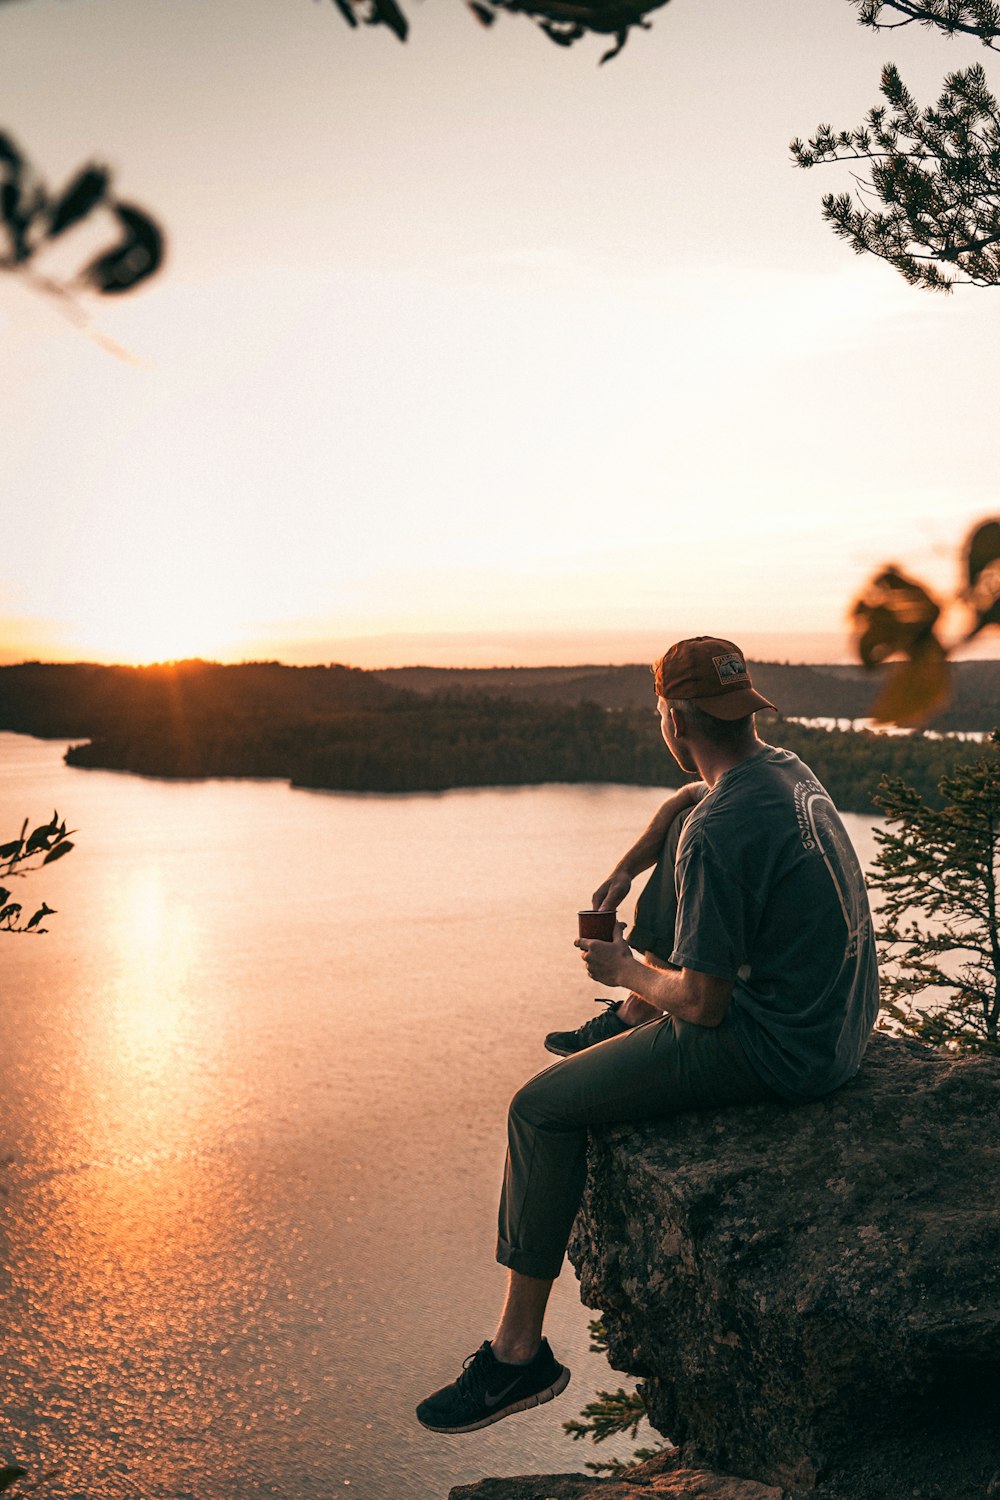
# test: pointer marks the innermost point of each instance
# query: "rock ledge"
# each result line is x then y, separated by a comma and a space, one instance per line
810, 1295
807, 1288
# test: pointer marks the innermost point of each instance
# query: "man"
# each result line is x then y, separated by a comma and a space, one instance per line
759, 982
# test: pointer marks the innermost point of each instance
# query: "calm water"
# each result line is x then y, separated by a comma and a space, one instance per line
252, 1091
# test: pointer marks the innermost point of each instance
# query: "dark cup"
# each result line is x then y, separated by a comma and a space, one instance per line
597, 924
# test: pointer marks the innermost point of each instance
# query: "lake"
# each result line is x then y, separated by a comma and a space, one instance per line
252, 1096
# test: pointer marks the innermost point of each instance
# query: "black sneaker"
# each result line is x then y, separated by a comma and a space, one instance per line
488, 1390
565, 1043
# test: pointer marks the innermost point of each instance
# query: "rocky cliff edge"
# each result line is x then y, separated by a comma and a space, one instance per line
810, 1294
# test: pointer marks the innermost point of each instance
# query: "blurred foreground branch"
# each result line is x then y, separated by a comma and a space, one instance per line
896, 619
33, 219
23, 856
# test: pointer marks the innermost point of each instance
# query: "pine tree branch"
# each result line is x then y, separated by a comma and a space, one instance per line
950, 16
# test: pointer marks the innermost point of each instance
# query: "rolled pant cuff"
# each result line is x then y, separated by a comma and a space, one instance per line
527, 1262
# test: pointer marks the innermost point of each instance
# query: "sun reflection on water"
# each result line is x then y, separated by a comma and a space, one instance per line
149, 1041
157, 945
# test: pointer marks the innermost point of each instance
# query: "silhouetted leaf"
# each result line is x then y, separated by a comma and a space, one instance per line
482, 13
22, 198
558, 34
4, 893
982, 560
9, 153
57, 852
981, 549
988, 616
134, 258
346, 12
43, 911
40, 838
892, 617
388, 13
895, 617
8, 851
14, 216
83, 194
10, 1472
621, 39
10, 911
917, 689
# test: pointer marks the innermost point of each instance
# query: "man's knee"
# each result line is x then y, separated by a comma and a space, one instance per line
533, 1104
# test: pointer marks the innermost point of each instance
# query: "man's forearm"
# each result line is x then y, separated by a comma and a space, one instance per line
688, 994
646, 850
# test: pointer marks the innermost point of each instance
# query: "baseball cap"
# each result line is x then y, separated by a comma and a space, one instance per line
713, 673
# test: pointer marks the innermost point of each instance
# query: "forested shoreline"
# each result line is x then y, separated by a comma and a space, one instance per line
339, 728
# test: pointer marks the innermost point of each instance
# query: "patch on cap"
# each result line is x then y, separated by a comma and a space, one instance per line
731, 668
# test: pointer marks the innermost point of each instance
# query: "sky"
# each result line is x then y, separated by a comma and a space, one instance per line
471, 351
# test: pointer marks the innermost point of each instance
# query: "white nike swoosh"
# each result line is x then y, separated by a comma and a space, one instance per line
489, 1401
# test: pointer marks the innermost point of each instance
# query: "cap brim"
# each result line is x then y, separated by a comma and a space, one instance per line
735, 705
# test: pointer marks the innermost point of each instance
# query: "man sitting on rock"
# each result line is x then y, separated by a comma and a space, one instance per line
759, 981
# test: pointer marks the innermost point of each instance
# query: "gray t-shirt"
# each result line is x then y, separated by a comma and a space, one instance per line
771, 895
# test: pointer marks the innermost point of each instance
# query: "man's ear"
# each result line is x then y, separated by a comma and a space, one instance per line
677, 724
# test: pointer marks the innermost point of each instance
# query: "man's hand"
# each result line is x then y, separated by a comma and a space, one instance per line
687, 994
610, 895
609, 963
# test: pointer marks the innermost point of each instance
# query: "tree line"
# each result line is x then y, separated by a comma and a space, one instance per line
343, 729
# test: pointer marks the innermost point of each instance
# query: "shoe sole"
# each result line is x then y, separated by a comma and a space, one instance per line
575, 1051
538, 1399
558, 1051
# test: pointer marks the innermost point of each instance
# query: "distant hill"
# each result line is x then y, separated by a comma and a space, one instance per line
811, 692
611, 687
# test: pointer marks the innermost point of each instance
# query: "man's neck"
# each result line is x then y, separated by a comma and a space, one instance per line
713, 762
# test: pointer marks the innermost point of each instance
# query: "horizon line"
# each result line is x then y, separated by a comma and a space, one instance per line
427, 666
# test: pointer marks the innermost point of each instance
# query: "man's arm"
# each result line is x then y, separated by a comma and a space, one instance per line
646, 850
688, 994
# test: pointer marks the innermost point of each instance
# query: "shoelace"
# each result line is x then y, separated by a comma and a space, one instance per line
474, 1377
588, 1026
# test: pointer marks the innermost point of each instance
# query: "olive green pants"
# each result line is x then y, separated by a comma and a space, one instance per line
647, 1073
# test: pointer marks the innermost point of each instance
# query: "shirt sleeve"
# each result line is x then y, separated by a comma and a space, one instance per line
715, 915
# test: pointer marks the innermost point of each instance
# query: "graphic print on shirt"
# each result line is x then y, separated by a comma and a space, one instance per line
821, 829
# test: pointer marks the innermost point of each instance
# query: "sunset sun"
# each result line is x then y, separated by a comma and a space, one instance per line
161, 627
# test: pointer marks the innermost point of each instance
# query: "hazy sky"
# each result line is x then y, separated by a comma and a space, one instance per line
470, 349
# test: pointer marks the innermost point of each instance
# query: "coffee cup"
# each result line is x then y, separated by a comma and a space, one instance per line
597, 924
